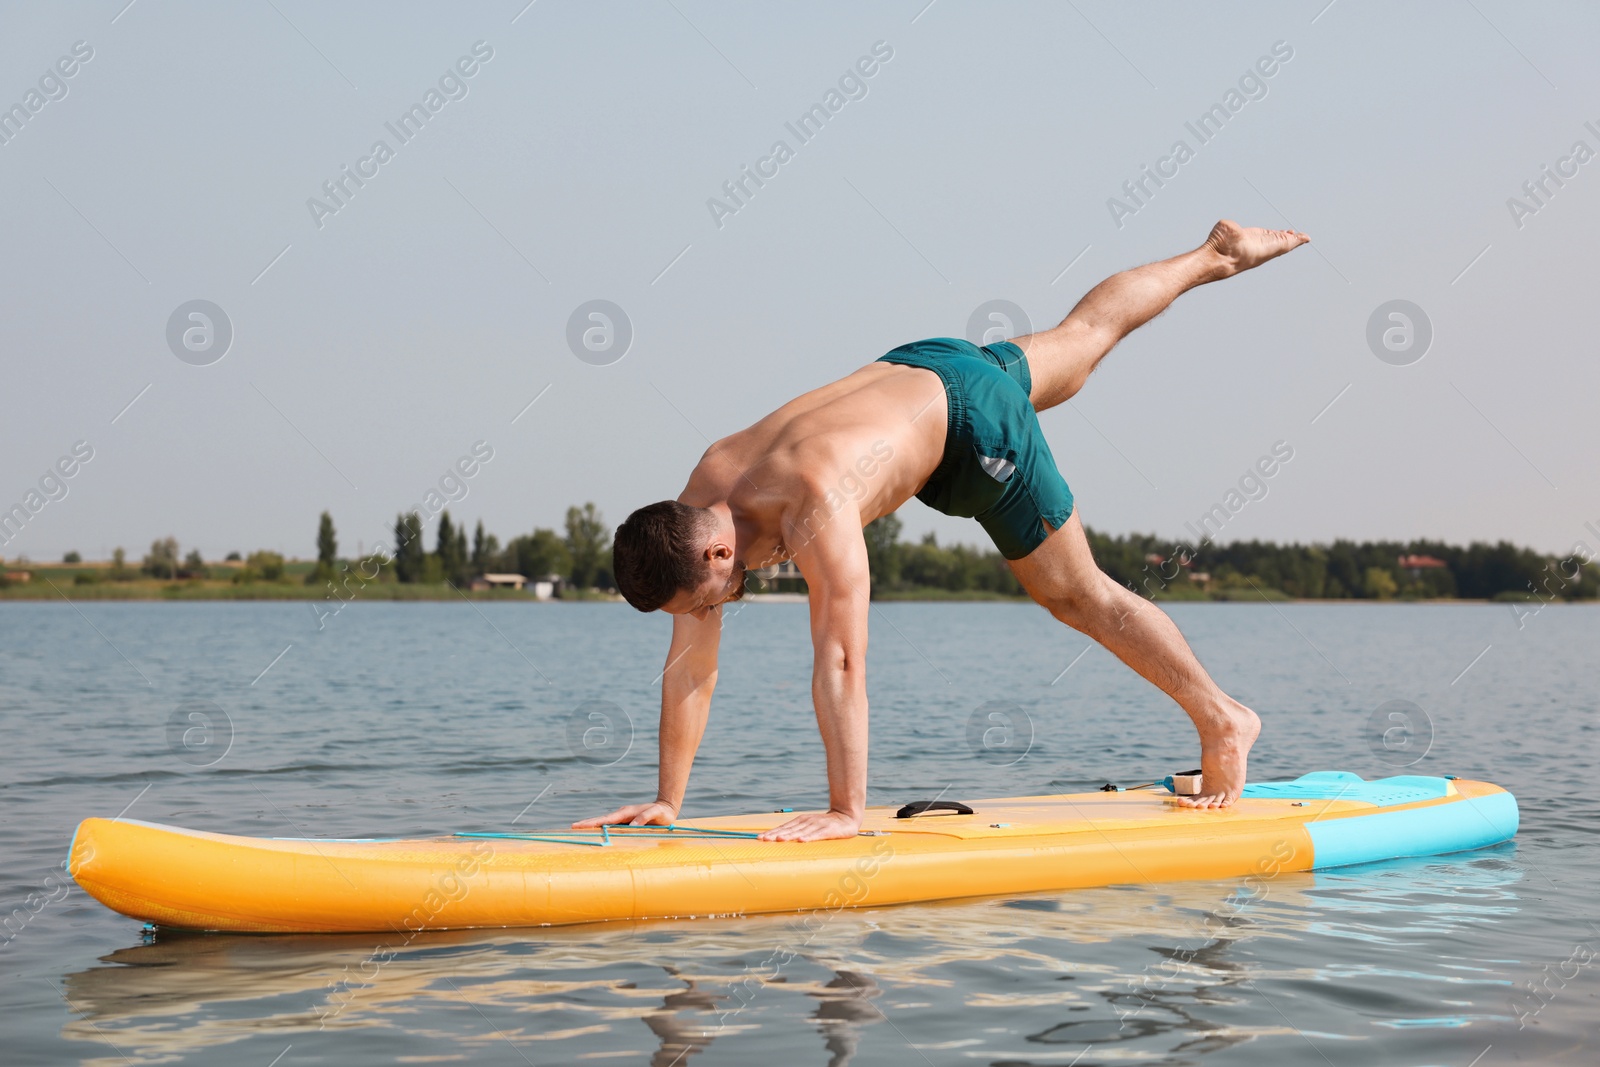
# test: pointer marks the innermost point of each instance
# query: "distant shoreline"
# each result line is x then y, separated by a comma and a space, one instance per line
206, 591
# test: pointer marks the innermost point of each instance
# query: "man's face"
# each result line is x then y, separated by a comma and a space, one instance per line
724, 582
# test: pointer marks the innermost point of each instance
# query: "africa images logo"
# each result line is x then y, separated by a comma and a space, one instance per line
1139, 190
52, 87
852, 85
452, 85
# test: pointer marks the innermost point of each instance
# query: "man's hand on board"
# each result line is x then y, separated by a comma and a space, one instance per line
823, 826
655, 813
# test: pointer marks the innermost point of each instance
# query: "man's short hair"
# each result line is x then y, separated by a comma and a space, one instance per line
658, 552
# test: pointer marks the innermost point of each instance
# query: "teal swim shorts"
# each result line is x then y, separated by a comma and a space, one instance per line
997, 466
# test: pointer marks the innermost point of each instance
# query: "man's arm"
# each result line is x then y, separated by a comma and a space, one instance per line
834, 562
686, 686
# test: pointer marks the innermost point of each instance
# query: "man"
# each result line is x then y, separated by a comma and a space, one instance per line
954, 425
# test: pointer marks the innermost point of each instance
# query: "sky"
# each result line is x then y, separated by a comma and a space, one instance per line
354, 346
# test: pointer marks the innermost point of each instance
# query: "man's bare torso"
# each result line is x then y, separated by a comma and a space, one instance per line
865, 443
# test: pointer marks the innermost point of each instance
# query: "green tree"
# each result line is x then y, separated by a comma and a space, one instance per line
194, 564
261, 566
451, 550
445, 536
270, 564
119, 565
1379, 584
485, 550
409, 554
162, 562
72, 557
883, 552
432, 570
375, 567
927, 564
538, 554
327, 553
589, 543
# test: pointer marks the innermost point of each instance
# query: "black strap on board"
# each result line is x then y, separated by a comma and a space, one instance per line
919, 807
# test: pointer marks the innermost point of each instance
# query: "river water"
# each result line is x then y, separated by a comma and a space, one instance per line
415, 719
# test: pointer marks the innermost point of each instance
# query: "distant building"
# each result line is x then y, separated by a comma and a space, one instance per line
499, 581
19, 576
1415, 565
769, 579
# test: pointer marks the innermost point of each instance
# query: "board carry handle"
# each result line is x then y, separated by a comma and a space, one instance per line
919, 807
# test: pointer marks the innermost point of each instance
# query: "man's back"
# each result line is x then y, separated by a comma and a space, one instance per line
873, 437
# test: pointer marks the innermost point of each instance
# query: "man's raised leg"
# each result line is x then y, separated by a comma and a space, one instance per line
1061, 574
1062, 359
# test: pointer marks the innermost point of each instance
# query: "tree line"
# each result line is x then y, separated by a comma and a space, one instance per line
162, 563
580, 557
1343, 570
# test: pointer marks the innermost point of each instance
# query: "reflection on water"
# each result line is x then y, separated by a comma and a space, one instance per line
689, 985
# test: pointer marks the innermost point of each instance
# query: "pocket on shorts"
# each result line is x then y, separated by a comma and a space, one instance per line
997, 467
979, 482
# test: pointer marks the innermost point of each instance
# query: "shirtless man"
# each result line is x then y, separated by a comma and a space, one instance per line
954, 425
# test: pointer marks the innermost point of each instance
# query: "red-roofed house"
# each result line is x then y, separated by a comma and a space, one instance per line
1415, 565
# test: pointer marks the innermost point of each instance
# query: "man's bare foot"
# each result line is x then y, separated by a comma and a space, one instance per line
1224, 748
1238, 249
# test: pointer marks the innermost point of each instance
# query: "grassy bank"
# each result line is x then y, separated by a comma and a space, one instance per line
209, 590
948, 594
94, 582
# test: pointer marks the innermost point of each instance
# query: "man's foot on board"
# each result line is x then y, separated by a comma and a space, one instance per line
1224, 749
1239, 248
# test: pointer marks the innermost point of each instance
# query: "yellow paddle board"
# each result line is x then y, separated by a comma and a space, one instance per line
194, 879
